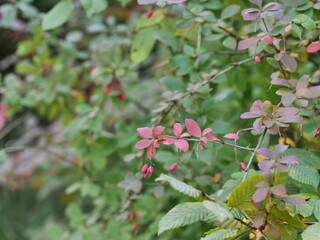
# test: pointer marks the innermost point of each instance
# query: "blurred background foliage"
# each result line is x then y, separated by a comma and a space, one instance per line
69, 169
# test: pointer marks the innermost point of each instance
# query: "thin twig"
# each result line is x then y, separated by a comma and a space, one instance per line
253, 154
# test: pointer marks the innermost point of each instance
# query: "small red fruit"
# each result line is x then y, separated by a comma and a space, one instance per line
203, 147
137, 214
171, 15
317, 133
107, 90
243, 166
257, 59
149, 14
135, 225
173, 167
122, 97
130, 217
144, 169
150, 170
136, 232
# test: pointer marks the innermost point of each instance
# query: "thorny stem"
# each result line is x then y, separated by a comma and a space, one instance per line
253, 154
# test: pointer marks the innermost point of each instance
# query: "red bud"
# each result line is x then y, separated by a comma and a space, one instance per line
173, 167
317, 133
144, 169
257, 59
149, 14
243, 166
107, 90
122, 97
137, 214
135, 225
150, 170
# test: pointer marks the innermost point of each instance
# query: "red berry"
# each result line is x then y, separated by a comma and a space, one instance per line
107, 90
243, 166
150, 170
171, 15
130, 217
136, 232
135, 225
257, 59
137, 214
173, 167
149, 14
122, 97
144, 169
203, 147
317, 133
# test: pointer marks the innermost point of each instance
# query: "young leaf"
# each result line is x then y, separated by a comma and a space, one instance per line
180, 186
58, 15
142, 45
182, 215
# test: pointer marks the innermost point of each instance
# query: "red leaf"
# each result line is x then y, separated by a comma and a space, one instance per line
248, 43
313, 47
193, 128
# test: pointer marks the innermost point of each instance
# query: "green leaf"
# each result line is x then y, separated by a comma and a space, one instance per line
94, 6
58, 15
142, 45
241, 196
157, 18
305, 21
230, 43
305, 210
182, 215
285, 216
312, 232
305, 157
230, 11
316, 208
74, 214
304, 174
221, 234
180, 186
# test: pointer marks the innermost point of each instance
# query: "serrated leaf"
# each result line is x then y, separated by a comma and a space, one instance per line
305, 157
304, 174
304, 210
58, 15
221, 234
180, 186
241, 197
315, 204
182, 215
312, 232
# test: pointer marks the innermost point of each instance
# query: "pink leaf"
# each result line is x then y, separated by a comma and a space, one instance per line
289, 62
288, 99
289, 111
177, 129
193, 128
182, 144
185, 135
280, 149
206, 131
232, 136
280, 81
279, 190
157, 131
250, 14
312, 92
247, 43
212, 137
142, 144
264, 152
295, 200
313, 47
3, 115
145, 132
290, 119
169, 140
260, 194
268, 39
266, 165
204, 139
258, 221
151, 151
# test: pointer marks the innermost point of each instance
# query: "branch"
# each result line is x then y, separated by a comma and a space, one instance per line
213, 77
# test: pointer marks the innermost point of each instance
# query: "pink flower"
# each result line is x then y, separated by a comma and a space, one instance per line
194, 129
151, 140
180, 143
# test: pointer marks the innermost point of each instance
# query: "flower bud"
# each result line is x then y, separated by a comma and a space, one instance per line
173, 167
144, 169
150, 170
243, 166
149, 14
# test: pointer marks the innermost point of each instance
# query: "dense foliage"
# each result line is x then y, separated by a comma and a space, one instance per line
103, 102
